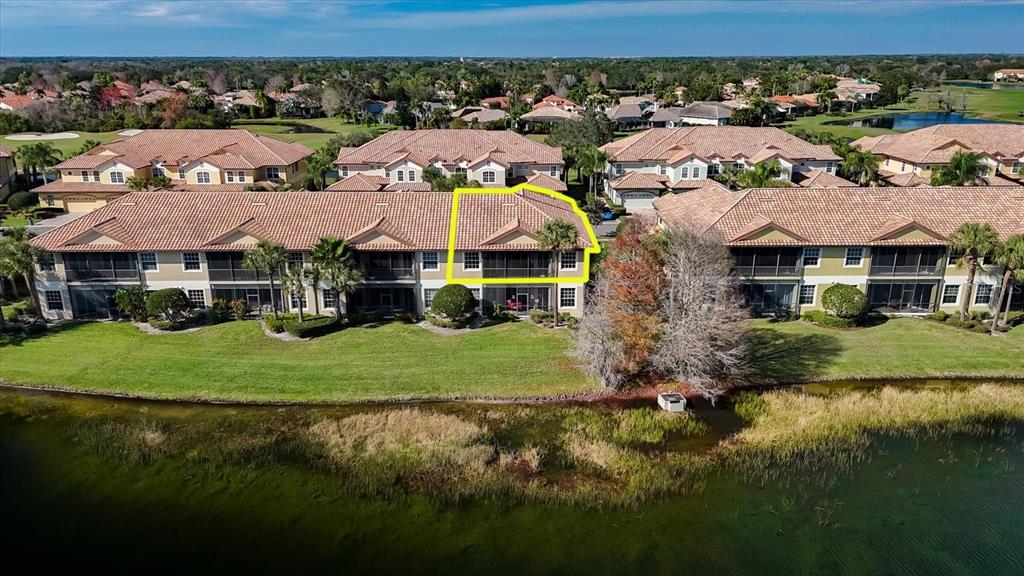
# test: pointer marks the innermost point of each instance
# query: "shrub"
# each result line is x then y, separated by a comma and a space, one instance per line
34, 328
781, 314
445, 322
169, 304
823, 319
938, 316
240, 309
11, 315
22, 200
361, 318
277, 324
541, 316
1015, 318
453, 302
312, 327
980, 315
844, 301
407, 317
220, 311
132, 301
169, 325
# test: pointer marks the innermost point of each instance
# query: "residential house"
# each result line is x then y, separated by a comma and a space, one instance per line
909, 158
705, 114
542, 118
8, 172
400, 240
494, 158
667, 117
479, 116
629, 116
790, 244
495, 102
552, 101
854, 91
685, 158
1009, 75
223, 160
679, 93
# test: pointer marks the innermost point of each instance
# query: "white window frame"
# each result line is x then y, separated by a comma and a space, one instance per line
562, 261
565, 294
553, 171
181, 173
343, 171
47, 262
684, 172
85, 176
241, 176
804, 256
860, 259
428, 297
50, 302
95, 175
185, 263
200, 175
988, 295
956, 298
695, 173
662, 169
800, 294
158, 171
400, 175
230, 176
273, 173
617, 169
412, 175
294, 302
327, 298
488, 177
1017, 167
436, 261
156, 264
479, 262
116, 177
202, 297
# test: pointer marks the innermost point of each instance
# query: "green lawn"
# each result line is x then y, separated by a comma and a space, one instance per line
236, 361
899, 348
66, 146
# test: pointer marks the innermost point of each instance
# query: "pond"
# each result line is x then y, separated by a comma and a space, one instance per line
943, 504
914, 120
987, 85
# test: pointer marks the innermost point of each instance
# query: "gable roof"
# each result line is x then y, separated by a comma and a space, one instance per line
820, 179
177, 147
708, 110
727, 142
843, 216
484, 219
451, 146
937, 144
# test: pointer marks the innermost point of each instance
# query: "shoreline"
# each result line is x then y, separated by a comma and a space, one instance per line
599, 396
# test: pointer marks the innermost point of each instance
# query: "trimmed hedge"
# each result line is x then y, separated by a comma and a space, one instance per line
22, 200
168, 304
312, 327
361, 318
827, 320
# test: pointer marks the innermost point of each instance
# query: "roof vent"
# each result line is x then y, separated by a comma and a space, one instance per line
509, 205
259, 203
382, 204
129, 203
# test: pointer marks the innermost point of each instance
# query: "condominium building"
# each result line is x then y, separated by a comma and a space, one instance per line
221, 160
644, 166
790, 244
7, 172
494, 158
909, 158
196, 241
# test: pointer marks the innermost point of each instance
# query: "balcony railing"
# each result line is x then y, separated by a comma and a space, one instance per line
389, 273
516, 272
922, 270
236, 275
100, 275
782, 270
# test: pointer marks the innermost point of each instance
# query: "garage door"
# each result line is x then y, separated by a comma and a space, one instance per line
83, 205
638, 200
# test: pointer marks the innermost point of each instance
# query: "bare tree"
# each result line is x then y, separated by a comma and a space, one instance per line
704, 337
596, 346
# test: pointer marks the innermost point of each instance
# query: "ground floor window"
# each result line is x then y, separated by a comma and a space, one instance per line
768, 297
385, 299
295, 301
807, 294
255, 297
94, 302
198, 298
950, 293
54, 300
983, 294
428, 296
567, 297
328, 297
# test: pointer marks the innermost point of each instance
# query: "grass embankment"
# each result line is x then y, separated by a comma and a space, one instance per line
237, 362
899, 348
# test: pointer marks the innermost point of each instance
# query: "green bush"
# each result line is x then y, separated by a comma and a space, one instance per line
132, 301
844, 301
311, 327
980, 315
938, 316
220, 311
22, 200
361, 318
168, 304
445, 322
542, 316
453, 302
828, 320
240, 309
11, 315
1015, 318
277, 324
169, 325
407, 317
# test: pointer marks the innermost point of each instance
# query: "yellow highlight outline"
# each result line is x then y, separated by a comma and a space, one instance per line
595, 247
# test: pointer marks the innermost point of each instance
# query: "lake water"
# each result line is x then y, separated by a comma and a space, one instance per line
943, 506
914, 120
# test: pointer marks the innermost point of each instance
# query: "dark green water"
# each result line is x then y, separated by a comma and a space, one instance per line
951, 505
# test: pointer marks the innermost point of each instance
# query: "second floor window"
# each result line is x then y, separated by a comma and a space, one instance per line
181, 173
46, 262
553, 172
684, 172
273, 173
471, 261
854, 256
412, 176
567, 261
460, 170
812, 257
95, 175
430, 261
157, 171
230, 176
85, 176
190, 260
400, 175
487, 177
344, 172
618, 169
203, 177
117, 177
147, 260
662, 169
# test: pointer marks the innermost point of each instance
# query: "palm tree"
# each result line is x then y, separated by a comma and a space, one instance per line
46, 155
861, 167
974, 241
825, 98
85, 147
315, 275
295, 280
1011, 256
319, 164
730, 176
18, 258
557, 236
963, 168
336, 262
28, 159
590, 161
763, 175
267, 258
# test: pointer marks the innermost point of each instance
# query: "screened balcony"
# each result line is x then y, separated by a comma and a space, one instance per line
927, 261
227, 267
767, 261
766, 298
903, 297
516, 264
384, 299
100, 267
387, 265
516, 299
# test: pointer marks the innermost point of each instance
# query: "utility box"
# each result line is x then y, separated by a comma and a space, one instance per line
672, 402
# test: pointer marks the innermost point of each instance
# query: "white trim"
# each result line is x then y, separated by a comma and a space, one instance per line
156, 262
480, 262
185, 268
846, 256
977, 291
575, 297
942, 295
423, 261
814, 294
803, 256
575, 261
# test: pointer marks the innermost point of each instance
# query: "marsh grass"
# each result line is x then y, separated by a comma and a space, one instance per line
581, 456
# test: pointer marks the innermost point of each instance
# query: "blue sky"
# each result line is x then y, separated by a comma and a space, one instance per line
530, 28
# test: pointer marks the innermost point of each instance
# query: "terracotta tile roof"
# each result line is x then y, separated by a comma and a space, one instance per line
548, 114
485, 220
706, 141
648, 181
202, 221
625, 110
820, 179
842, 216
540, 179
99, 187
937, 144
6, 151
450, 147
368, 183
175, 147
